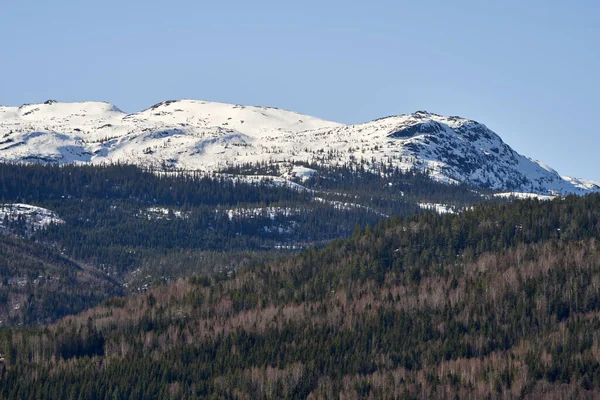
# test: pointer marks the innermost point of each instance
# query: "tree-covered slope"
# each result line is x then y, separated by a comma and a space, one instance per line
39, 284
141, 227
497, 302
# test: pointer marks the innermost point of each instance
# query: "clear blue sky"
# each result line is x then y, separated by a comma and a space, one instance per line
527, 69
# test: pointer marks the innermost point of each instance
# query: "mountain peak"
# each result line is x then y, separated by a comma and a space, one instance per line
202, 135
56, 109
424, 114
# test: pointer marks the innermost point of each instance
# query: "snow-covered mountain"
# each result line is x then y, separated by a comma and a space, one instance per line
199, 135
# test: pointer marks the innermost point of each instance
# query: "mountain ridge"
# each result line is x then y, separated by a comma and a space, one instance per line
200, 135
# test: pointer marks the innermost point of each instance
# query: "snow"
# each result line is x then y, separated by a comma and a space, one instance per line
274, 181
155, 213
438, 208
269, 212
583, 183
253, 121
347, 206
35, 217
517, 195
301, 173
208, 136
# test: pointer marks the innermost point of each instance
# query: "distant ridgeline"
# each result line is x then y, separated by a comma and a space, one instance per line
200, 135
136, 227
498, 301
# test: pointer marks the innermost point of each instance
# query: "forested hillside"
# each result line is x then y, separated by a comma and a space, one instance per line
39, 284
500, 301
135, 228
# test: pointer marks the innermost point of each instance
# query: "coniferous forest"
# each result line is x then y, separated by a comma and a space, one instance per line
499, 300
299, 200
126, 229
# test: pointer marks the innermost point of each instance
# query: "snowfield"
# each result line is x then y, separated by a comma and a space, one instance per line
207, 136
259, 212
34, 217
438, 208
156, 213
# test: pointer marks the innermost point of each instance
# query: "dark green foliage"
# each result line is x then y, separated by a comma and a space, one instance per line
143, 227
106, 210
497, 302
40, 285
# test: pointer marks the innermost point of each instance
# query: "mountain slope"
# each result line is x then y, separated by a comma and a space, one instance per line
39, 284
453, 306
198, 135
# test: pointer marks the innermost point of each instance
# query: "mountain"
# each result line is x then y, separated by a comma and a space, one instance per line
199, 135
497, 302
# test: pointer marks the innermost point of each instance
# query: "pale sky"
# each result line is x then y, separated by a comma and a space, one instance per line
528, 70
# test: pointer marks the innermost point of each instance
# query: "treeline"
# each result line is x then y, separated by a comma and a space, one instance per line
35, 183
378, 185
118, 215
141, 227
501, 301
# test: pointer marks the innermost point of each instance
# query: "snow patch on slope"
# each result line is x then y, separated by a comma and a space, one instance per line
517, 195
438, 208
206, 136
157, 213
34, 217
261, 212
